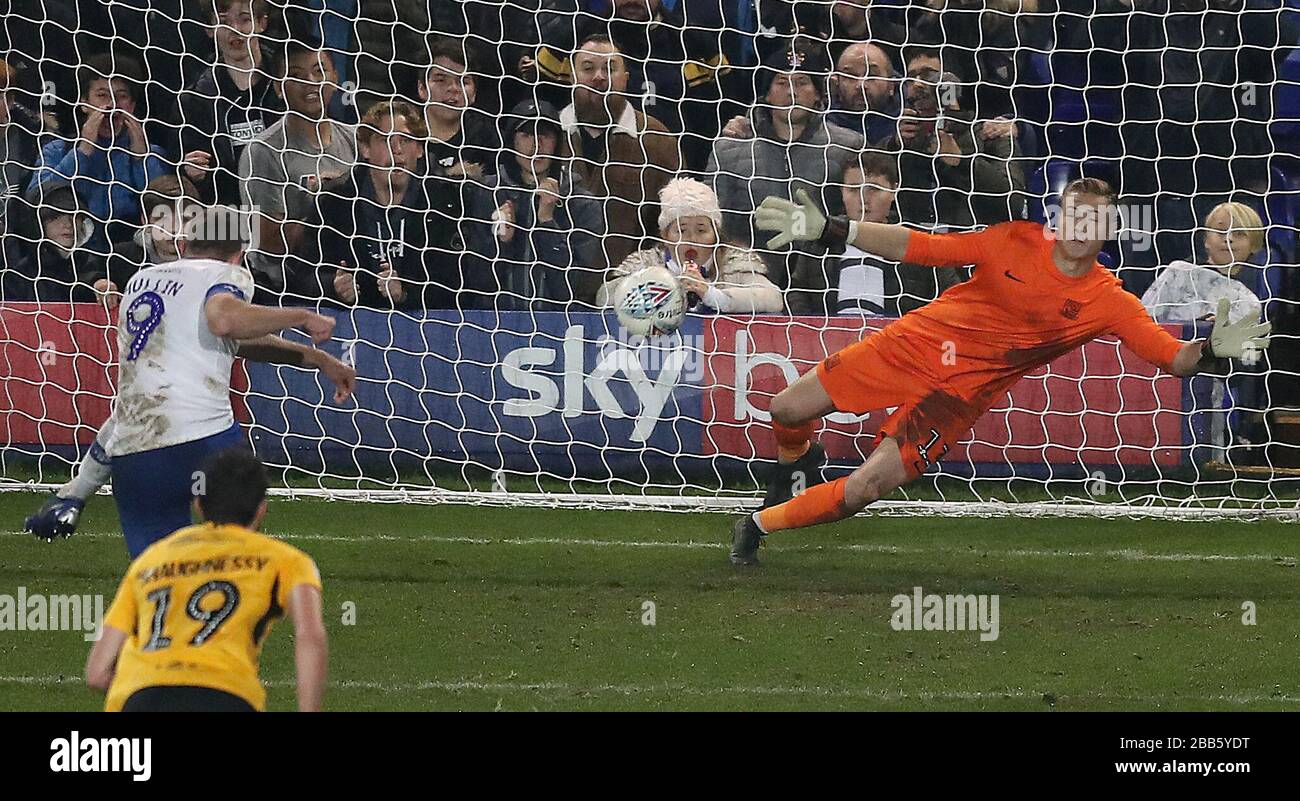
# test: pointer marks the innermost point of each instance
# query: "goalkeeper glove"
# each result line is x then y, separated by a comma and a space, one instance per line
1234, 340
802, 222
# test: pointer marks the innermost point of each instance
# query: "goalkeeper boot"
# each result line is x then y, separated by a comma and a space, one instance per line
788, 480
57, 518
746, 536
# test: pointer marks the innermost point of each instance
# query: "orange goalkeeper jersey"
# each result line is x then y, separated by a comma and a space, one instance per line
1017, 312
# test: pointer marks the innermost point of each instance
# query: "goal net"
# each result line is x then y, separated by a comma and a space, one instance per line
460, 184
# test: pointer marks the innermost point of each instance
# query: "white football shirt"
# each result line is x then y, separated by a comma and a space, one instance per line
173, 383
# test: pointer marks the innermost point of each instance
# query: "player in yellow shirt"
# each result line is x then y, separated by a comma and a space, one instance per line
187, 626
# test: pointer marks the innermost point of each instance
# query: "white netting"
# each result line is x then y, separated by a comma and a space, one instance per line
457, 183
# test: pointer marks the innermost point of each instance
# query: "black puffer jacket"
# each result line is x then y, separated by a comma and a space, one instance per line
47, 274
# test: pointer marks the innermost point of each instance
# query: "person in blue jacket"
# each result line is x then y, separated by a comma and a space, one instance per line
110, 162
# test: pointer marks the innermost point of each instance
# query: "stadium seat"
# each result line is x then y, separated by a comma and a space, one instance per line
1032, 93
1031, 147
1280, 211
1286, 108
1081, 114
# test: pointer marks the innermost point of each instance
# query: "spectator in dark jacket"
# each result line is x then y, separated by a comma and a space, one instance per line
517, 29
839, 23
786, 144
864, 92
56, 267
226, 105
20, 147
380, 244
20, 151
625, 157
985, 41
111, 161
534, 221
675, 66
463, 141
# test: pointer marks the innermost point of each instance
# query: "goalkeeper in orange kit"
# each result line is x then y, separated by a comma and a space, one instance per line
1035, 293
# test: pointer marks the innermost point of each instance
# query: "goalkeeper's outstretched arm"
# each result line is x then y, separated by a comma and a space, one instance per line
1240, 340
804, 222
1228, 340
1190, 360
887, 241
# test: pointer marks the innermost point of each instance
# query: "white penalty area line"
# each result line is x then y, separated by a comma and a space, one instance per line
652, 690
1122, 554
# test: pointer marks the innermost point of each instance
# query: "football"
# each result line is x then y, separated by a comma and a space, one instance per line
650, 302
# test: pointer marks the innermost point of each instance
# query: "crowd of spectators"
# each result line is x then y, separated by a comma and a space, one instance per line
524, 155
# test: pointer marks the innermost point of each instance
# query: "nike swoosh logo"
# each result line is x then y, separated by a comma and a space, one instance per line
1012, 277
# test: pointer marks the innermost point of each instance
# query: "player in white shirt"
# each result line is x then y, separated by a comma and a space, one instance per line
160, 241
180, 327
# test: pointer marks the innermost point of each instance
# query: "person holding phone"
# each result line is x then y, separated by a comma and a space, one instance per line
110, 161
950, 176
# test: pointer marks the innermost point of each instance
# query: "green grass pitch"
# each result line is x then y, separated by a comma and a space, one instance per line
464, 608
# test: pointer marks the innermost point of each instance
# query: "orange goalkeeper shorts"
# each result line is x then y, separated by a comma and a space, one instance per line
875, 373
